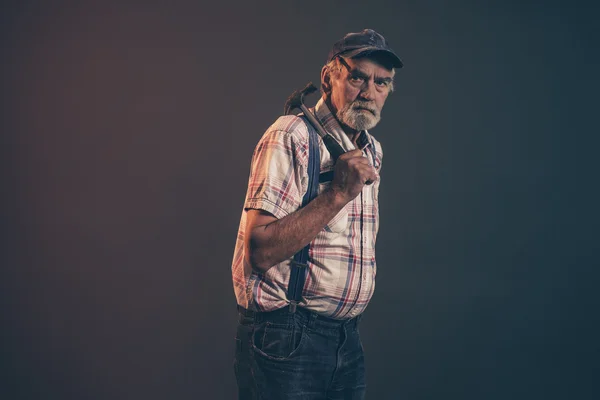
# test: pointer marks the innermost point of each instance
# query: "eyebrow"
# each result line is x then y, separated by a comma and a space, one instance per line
386, 80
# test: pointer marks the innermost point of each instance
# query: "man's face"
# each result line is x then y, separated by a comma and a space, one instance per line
359, 91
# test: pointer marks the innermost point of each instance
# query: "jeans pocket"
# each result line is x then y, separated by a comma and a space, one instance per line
277, 341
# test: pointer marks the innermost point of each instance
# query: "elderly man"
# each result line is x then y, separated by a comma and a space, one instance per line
304, 266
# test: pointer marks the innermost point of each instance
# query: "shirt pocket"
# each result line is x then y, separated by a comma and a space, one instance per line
339, 223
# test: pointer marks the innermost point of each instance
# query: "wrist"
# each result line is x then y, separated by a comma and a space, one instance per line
335, 197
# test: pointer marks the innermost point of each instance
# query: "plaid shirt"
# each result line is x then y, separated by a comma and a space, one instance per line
341, 271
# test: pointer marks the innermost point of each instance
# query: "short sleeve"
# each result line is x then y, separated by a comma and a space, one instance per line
278, 174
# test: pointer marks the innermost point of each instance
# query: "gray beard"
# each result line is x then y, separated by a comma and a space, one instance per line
357, 119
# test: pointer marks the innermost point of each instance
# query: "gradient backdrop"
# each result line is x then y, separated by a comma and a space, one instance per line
127, 130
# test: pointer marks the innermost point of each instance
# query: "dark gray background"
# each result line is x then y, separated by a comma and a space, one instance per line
127, 130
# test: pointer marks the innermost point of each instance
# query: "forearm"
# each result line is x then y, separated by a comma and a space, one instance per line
270, 244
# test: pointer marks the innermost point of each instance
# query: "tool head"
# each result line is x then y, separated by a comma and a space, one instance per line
296, 99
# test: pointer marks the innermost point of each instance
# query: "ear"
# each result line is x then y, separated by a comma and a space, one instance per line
325, 79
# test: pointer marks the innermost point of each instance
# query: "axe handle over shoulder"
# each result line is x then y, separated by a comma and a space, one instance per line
332, 145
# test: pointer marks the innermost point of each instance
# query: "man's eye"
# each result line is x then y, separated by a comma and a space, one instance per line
356, 79
381, 83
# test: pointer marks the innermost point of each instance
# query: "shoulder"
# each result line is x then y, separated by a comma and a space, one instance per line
286, 139
288, 127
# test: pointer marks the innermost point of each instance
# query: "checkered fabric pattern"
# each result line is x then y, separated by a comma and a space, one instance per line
341, 266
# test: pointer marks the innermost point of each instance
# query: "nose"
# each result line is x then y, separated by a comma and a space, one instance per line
367, 92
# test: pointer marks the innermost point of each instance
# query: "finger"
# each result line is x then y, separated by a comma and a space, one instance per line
351, 154
359, 161
371, 180
355, 152
375, 176
365, 168
372, 176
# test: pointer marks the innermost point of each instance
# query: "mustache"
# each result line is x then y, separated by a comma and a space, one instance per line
364, 105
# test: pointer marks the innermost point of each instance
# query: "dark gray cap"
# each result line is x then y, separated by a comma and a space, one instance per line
363, 43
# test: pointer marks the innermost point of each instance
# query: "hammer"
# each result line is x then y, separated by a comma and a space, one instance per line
296, 100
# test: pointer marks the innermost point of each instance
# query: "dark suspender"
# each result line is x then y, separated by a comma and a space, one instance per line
299, 263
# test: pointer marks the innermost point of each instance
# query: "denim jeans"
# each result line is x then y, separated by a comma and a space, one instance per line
299, 356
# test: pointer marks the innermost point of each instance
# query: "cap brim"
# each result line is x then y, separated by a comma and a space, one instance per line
365, 51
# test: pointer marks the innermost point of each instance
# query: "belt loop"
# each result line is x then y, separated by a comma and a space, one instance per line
293, 305
245, 314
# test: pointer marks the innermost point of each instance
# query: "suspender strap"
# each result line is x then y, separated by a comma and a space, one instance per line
299, 263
